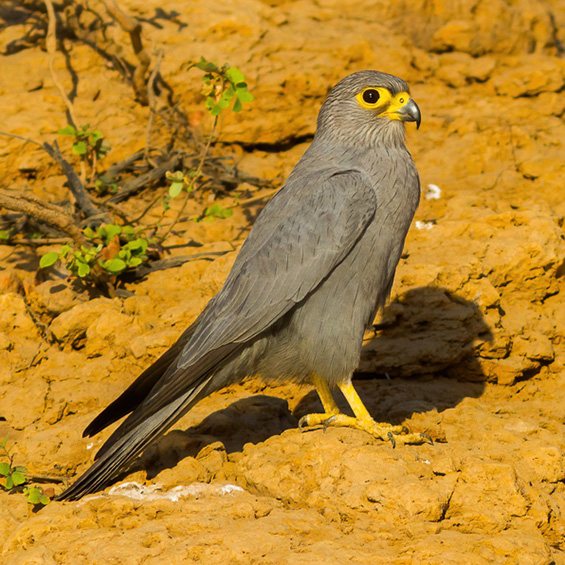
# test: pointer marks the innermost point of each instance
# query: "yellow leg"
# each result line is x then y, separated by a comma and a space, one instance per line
361, 421
325, 394
364, 421
328, 402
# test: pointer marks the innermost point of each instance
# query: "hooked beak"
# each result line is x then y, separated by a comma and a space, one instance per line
410, 113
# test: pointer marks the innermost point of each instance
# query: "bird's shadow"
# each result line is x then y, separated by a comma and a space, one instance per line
421, 357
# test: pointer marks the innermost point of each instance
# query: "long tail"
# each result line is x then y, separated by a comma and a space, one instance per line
138, 391
117, 456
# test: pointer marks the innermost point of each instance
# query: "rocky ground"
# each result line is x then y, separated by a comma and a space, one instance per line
472, 341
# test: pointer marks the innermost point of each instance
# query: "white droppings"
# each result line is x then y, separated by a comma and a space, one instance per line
434, 192
90, 445
136, 491
424, 225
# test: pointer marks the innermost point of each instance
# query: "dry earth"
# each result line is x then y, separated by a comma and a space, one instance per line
473, 340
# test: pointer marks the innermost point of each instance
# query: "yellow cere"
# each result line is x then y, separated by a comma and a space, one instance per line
387, 104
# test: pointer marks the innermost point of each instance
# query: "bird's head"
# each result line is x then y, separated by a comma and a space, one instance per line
368, 107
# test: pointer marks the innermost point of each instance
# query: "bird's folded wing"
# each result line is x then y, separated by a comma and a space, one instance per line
286, 259
289, 253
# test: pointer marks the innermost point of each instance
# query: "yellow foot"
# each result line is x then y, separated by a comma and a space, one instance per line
384, 432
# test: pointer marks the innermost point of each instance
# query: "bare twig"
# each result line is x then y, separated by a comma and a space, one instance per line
26, 139
194, 178
132, 26
115, 169
152, 104
170, 262
51, 43
135, 184
75, 184
42, 211
254, 199
38, 241
113, 207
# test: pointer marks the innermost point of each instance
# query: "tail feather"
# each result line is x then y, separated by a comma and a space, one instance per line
119, 455
136, 393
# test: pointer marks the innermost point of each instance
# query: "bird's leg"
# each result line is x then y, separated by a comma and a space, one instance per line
328, 402
364, 421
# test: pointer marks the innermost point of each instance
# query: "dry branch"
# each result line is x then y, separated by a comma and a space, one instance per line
130, 25
75, 184
43, 212
135, 184
51, 44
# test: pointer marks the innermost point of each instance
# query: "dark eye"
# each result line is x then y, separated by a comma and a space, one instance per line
371, 96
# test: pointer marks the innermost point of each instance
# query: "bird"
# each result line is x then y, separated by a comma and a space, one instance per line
308, 281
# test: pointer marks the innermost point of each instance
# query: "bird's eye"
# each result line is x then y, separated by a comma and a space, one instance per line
371, 96
401, 100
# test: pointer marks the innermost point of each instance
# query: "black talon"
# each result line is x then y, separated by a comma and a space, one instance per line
428, 438
302, 422
405, 430
392, 440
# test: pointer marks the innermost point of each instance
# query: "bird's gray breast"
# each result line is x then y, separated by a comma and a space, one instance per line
324, 333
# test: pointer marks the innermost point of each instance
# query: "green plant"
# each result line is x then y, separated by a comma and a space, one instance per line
89, 145
14, 475
86, 142
36, 496
216, 211
114, 249
222, 85
6, 235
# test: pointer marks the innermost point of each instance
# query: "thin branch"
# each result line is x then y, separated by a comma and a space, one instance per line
152, 104
75, 185
135, 184
254, 199
51, 44
39, 241
194, 178
132, 26
42, 211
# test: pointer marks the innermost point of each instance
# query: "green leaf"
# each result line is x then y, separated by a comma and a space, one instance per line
244, 95
83, 270
109, 231
89, 232
69, 130
9, 483
48, 259
94, 136
227, 94
175, 189
237, 106
135, 261
115, 266
79, 148
5, 469
128, 230
215, 110
5, 235
216, 211
18, 478
33, 495
207, 66
235, 75
139, 244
